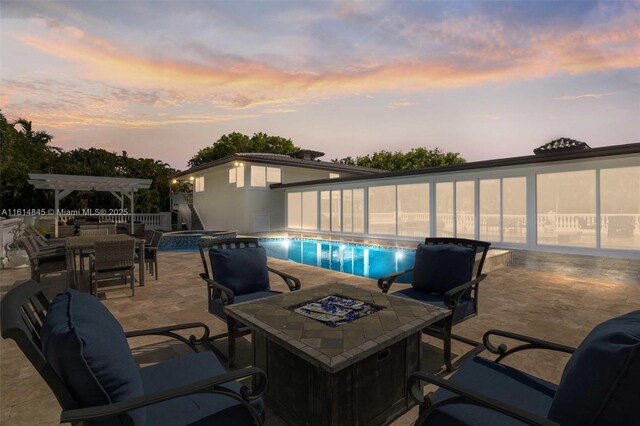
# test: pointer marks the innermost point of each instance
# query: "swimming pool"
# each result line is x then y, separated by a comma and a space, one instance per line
365, 261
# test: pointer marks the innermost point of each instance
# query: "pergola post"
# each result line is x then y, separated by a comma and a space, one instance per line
59, 195
130, 195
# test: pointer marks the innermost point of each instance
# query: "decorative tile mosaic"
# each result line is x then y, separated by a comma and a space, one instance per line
188, 240
335, 310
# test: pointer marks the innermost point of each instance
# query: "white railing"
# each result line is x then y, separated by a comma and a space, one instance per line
160, 221
573, 221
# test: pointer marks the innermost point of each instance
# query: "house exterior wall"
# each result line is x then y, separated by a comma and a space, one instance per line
223, 206
452, 207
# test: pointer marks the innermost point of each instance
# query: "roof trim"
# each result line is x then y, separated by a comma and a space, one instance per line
605, 151
283, 160
87, 183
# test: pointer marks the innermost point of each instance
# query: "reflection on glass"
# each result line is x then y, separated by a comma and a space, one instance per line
358, 210
335, 211
514, 210
619, 208
444, 209
413, 210
465, 209
347, 210
294, 210
325, 210
490, 209
382, 210
564, 201
310, 210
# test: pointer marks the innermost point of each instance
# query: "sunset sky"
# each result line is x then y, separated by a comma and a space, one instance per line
163, 79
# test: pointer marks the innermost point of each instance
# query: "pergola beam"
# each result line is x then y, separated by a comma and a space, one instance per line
63, 185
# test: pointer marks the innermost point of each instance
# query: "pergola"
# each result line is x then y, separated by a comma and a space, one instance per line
64, 185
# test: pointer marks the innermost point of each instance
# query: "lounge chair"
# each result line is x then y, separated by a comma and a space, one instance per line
600, 384
43, 262
81, 352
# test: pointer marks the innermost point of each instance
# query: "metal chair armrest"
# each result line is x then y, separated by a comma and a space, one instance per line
168, 331
452, 296
384, 283
211, 385
226, 294
467, 396
529, 343
292, 282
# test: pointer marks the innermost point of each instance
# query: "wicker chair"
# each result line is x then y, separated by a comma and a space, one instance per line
112, 259
43, 263
151, 253
85, 231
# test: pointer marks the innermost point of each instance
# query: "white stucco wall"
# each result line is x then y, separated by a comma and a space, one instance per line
223, 206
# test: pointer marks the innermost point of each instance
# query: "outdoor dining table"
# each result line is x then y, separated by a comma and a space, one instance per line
75, 245
323, 374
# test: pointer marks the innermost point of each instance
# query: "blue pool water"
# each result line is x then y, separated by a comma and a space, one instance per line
365, 261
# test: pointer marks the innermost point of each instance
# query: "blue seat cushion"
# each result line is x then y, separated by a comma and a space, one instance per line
216, 306
243, 270
87, 348
497, 381
440, 267
197, 409
601, 382
466, 306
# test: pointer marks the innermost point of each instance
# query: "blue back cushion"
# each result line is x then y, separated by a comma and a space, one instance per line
243, 270
441, 267
87, 348
601, 383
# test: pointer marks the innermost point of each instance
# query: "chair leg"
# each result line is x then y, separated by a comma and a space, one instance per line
133, 280
231, 359
155, 268
446, 337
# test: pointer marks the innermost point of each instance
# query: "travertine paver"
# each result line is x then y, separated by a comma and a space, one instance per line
334, 348
560, 304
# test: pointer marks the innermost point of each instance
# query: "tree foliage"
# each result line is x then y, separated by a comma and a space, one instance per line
417, 158
237, 142
23, 151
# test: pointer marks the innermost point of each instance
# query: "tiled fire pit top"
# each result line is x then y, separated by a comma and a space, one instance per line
334, 348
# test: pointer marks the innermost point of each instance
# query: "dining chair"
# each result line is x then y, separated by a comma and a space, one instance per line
112, 259
447, 272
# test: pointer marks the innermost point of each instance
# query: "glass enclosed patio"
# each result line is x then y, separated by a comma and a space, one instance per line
588, 203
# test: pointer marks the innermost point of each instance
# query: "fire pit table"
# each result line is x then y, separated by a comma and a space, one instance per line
337, 354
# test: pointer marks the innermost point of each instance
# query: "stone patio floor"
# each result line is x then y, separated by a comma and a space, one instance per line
558, 304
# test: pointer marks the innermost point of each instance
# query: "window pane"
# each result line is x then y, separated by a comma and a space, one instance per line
358, 210
562, 198
258, 178
310, 210
294, 210
514, 210
325, 210
465, 209
239, 177
347, 210
490, 209
274, 175
232, 175
335, 211
413, 210
619, 208
444, 209
382, 210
